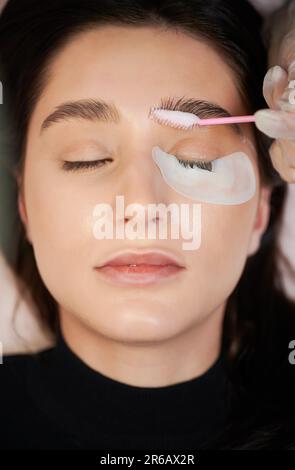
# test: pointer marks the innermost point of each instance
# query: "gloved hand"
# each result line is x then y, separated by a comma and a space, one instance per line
279, 91
265, 7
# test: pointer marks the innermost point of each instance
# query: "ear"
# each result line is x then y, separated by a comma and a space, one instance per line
261, 220
22, 207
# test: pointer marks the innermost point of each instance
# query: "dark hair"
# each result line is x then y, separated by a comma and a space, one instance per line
259, 319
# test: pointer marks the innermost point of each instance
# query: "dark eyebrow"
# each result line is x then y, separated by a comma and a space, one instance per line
90, 109
99, 110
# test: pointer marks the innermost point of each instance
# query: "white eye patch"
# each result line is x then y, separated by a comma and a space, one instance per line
230, 180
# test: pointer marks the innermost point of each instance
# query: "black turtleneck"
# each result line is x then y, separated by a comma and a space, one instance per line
53, 400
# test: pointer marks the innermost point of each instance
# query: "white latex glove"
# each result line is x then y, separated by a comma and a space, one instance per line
278, 122
265, 7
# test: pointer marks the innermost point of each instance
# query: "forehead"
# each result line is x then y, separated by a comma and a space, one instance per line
135, 67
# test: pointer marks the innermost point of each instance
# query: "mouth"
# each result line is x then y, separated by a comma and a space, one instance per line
140, 269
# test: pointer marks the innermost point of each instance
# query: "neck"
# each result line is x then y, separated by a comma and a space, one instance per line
146, 363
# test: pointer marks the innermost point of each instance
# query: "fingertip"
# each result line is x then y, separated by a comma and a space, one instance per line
267, 121
274, 84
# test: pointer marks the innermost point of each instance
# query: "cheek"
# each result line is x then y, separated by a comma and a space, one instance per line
226, 233
60, 222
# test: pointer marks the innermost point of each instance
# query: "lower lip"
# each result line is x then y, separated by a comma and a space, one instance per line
142, 274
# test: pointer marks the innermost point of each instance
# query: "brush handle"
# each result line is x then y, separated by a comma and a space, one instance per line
226, 120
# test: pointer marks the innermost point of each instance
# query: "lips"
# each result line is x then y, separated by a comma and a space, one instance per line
152, 258
140, 268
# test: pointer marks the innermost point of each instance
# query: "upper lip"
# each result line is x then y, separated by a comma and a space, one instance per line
158, 257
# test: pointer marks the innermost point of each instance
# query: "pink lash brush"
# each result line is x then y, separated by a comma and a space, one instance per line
183, 120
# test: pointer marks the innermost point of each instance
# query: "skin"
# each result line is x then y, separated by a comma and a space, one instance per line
164, 333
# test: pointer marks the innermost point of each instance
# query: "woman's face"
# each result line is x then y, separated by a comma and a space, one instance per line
133, 68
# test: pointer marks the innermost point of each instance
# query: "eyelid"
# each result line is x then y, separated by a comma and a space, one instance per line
77, 165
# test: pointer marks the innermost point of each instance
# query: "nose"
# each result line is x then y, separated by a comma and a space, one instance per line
141, 183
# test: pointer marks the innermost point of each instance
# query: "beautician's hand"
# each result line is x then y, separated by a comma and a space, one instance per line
279, 91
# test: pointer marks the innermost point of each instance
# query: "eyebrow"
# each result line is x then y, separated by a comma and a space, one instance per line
99, 110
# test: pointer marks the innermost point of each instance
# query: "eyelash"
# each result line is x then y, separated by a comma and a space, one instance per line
86, 165
202, 164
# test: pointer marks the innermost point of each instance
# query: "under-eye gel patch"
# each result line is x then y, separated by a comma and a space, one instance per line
229, 179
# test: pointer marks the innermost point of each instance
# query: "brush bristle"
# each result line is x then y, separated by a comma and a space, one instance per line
170, 123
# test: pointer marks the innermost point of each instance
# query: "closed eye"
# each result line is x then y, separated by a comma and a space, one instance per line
89, 164
84, 165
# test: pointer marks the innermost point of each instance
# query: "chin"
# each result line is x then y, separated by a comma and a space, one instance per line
138, 325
